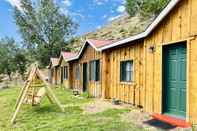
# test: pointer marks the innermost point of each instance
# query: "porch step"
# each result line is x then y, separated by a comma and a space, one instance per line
171, 120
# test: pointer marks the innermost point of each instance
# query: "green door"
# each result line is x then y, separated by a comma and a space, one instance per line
175, 80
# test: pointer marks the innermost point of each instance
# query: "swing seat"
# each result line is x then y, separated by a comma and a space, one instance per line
38, 97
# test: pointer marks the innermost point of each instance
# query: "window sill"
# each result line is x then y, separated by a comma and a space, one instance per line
128, 83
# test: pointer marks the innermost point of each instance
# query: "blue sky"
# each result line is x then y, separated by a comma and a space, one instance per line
89, 14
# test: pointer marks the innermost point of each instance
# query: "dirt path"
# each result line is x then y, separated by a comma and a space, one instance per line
135, 116
99, 105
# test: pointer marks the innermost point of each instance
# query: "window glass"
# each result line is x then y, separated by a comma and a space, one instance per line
77, 72
65, 72
94, 70
126, 71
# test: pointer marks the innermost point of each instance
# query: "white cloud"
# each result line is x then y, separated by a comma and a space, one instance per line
99, 27
64, 11
15, 3
67, 2
113, 18
121, 9
104, 16
100, 2
120, 1
78, 14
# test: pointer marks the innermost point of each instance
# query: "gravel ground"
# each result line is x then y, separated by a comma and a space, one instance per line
135, 116
99, 105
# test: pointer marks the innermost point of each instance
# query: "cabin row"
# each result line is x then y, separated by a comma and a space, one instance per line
155, 70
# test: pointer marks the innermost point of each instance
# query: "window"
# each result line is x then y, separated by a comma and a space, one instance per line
126, 70
91, 70
94, 69
77, 72
65, 72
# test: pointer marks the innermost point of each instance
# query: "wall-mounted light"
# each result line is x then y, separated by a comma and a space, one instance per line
151, 49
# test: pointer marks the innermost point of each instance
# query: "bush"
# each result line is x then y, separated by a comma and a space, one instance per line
152, 7
145, 7
85, 95
132, 7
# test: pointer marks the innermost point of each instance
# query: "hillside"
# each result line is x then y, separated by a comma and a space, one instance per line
117, 29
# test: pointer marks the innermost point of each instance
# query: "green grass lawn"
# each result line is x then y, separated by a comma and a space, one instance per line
48, 117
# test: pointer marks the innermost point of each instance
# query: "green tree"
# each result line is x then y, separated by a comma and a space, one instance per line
44, 28
145, 7
12, 58
21, 62
8, 50
152, 7
133, 6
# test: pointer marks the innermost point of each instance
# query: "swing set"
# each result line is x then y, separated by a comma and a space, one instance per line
32, 93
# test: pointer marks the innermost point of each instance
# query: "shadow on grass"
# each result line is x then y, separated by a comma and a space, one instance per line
45, 109
55, 109
159, 124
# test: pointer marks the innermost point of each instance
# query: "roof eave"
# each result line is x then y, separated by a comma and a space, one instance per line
81, 50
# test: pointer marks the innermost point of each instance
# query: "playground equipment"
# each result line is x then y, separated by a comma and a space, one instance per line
35, 88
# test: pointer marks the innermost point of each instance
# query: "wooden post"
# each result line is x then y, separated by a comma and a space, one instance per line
22, 96
104, 75
54, 98
49, 91
70, 75
19, 105
27, 83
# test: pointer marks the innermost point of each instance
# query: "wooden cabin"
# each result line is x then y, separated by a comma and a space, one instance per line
53, 71
87, 66
156, 69
124, 73
65, 70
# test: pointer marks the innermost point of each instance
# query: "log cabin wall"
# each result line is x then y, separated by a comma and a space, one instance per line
146, 89
89, 54
53, 75
65, 81
128, 92
58, 70
180, 25
75, 81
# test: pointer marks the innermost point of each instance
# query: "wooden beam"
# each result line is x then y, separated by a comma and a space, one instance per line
104, 76
22, 96
29, 79
49, 90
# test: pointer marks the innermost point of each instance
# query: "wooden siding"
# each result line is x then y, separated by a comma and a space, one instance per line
89, 54
75, 83
54, 75
179, 25
146, 90
128, 92
58, 75
67, 82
